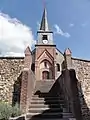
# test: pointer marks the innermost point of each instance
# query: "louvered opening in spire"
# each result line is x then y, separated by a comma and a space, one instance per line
44, 22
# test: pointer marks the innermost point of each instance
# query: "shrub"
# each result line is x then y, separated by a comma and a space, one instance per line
7, 111
16, 111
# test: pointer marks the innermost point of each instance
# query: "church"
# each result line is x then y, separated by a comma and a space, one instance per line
46, 58
47, 83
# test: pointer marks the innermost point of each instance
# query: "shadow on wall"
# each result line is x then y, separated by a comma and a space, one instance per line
17, 91
84, 108
72, 91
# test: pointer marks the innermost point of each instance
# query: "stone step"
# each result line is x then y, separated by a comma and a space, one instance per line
37, 98
39, 106
48, 97
35, 95
47, 101
40, 110
45, 115
51, 115
53, 105
47, 106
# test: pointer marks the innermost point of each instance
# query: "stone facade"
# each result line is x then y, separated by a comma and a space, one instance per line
82, 69
10, 69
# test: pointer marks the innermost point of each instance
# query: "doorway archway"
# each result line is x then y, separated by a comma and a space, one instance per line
45, 75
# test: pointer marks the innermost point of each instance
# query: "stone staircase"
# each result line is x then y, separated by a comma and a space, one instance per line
44, 106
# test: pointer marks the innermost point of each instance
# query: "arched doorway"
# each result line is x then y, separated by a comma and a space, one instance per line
45, 75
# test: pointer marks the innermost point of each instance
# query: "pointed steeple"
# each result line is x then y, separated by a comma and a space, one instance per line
45, 35
44, 22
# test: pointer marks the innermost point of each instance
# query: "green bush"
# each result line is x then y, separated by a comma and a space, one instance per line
16, 111
7, 111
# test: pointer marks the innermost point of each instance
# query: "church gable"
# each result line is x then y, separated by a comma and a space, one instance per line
41, 49
45, 55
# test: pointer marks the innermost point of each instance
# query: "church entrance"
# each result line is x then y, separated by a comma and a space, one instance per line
45, 75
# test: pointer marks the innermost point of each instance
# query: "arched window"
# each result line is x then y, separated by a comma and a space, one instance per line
58, 67
33, 67
45, 64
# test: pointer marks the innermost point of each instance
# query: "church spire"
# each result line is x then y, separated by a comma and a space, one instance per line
44, 22
45, 35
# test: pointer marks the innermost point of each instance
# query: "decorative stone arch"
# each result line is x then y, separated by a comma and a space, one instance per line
46, 58
46, 69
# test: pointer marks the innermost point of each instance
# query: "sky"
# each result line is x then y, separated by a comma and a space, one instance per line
68, 19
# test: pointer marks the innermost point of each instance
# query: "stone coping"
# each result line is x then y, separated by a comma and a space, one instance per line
11, 57
80, 59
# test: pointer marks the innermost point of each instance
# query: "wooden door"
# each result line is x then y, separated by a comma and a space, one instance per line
45, 75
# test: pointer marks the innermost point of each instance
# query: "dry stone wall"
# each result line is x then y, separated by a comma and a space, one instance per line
10, 69
82, 68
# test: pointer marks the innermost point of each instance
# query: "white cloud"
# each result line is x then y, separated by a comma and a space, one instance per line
61, 32
38, 25
14, 36
84, 24
14, 54
71, 25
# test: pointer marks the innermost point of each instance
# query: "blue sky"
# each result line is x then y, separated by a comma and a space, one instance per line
71, 16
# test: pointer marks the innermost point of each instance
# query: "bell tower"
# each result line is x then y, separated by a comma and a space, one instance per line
45, 35
45, 58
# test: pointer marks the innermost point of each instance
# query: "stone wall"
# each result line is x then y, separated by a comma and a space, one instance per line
82, 68
59, 60
10, 69
68, 84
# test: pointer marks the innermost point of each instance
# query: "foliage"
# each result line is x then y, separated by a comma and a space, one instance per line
16, 111
7, 111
